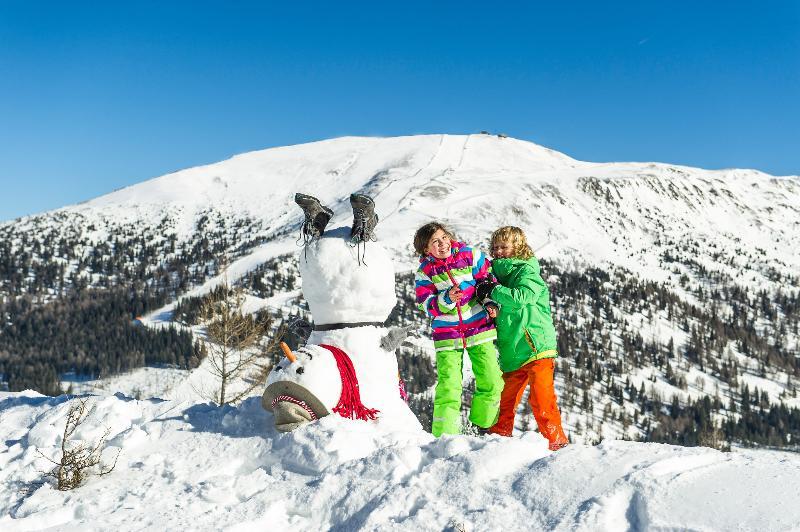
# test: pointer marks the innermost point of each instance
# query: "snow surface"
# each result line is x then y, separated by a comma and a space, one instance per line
187, 466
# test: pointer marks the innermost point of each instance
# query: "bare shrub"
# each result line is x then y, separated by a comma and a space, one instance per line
713, 437
78, 459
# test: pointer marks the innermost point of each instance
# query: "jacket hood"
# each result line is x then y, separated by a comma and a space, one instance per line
503, 267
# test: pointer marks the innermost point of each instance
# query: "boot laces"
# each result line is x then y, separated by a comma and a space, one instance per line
308, 234
361, 234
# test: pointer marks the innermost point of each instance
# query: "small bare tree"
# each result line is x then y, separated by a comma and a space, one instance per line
238, 344
714, 437
78, 459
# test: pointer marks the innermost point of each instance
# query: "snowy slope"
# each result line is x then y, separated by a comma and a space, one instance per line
194, 466
739, 221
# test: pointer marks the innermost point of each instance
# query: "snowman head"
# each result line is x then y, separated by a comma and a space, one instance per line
289, 393
342, 286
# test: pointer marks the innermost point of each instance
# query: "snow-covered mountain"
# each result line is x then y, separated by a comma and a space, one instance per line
669, 282
740, 222
675, 295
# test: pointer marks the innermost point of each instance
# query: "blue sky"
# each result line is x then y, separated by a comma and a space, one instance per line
97, 96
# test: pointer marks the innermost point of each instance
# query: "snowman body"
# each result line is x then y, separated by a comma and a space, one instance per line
350, 292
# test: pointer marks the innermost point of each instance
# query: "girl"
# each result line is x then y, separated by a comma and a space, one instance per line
526, 336
445, 289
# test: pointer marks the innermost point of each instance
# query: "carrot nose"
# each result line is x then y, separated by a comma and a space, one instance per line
288, 352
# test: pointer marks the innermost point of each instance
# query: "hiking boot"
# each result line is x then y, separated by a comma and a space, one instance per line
556, 445
477, 430
317, 216
364, 218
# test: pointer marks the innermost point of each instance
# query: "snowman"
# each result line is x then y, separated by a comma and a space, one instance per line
348, 365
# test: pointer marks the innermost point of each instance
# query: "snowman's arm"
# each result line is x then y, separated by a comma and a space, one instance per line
395, 337
431, 301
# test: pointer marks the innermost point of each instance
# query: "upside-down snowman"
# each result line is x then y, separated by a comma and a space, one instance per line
348, 366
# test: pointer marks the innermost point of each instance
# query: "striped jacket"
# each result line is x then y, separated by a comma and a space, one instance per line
454, 326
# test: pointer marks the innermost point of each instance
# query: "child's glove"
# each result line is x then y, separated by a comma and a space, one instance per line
483, 290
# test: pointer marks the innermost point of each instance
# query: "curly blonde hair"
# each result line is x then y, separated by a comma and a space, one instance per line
516, 237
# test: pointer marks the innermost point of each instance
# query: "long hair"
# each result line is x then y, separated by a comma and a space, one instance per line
516, 237
424, 234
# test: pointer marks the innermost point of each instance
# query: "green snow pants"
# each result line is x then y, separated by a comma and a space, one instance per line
488, 386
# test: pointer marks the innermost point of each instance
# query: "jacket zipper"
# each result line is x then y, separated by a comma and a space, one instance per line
458, 308
529, 338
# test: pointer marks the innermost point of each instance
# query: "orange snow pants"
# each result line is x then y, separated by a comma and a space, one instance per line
542, 399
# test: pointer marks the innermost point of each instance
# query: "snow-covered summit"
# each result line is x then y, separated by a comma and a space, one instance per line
637, 215
330, 166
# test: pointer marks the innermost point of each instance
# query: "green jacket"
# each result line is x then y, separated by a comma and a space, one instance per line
525, 329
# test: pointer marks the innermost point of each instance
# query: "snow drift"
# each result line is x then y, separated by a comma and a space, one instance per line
200, 467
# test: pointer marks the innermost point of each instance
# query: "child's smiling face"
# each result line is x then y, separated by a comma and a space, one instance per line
502, 249
439, 245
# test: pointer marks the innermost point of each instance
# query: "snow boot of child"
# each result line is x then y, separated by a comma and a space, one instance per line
364, 218
542, 398
317, 216
477, 430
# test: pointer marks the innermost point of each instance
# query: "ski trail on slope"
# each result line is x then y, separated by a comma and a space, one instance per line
412, 178
440, 165
463, 153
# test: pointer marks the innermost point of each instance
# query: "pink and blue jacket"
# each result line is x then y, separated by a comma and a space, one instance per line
454, 326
